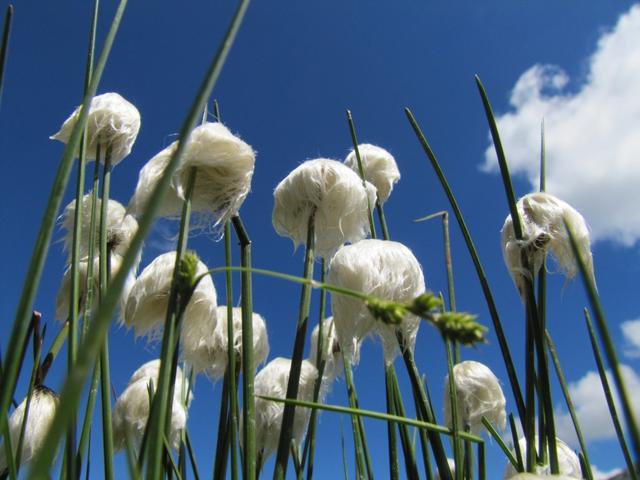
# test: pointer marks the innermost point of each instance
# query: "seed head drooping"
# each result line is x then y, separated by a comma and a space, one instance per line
224, 165
541, 217
331, 191
331, 353
132, 407
147, 303
379, 166
478, 394
569, 462
272, 381
380, 268
112, 122
42, 409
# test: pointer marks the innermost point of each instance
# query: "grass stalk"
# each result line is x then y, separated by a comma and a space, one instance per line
43, 241
537, 330
609, 397
567, 398
105, 377
53, 351
493, 312
222, 442
192, 457
453, 404
4, 48
609, 348
391, 427
10, 470
405, 439
361, 172
248, 368
503, 446
355, 425
482, 471
72, 389
286, 431
310, 440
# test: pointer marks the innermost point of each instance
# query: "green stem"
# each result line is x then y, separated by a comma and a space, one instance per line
567, 397
405, 439
453, 405
355, 425
631, 468
8, 20
361, 171
8, 450
34, 272
391, 427
286, 431
192, 457
248, 364
231, 355
503, 446
383, 221
493, 311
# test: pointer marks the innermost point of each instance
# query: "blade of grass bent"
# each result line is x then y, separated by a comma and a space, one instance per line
497, 325
609, 348
41, 248
72, 389
613, 411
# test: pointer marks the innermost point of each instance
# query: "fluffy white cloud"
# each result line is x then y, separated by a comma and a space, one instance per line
592, 133
631, 331
591, 407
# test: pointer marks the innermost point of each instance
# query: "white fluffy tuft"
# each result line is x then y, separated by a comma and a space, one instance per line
379, 268
379, 167
272, 381
336, 194
42, 409
112, 122
131, 411
478, 394
569, 462
541, 216
147, 303
331, 353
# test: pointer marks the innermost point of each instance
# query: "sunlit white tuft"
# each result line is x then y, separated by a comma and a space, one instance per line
380, 268
336, 195
541, 217
112, 122
42, 409
147, 303
478, 394
568, 461
331, 353
379, 167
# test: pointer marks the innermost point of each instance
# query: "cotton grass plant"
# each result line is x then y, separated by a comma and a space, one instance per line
377, 288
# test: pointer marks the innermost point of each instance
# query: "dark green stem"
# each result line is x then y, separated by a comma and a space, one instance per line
8, 20
391, 427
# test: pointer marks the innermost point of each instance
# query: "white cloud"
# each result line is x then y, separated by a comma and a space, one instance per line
603, 475
592, 134
591, 407
631, 332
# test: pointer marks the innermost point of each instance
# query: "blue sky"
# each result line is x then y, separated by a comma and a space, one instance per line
291, 75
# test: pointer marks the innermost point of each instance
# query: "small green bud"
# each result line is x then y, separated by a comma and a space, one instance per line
424, 305
461, 327
391, 313
187, 270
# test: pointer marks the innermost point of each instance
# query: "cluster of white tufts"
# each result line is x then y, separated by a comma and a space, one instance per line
224, 166
112, 123
478, 394
131, 412
533, 476
272, 381
383, 269
120, 227
147, 303
379, 167
569, 462
42, 409
334, 194
541, 216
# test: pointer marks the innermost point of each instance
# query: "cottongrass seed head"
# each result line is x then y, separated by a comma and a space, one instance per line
569, 462
42, 409
272, 381
147, 303
112, 122
131, 411
379, 268
212, 357
541, 217
478, 394
334, 193
379, 167
331, 353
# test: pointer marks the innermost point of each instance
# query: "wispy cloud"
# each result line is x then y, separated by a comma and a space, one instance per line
592, 141
631, 332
